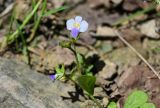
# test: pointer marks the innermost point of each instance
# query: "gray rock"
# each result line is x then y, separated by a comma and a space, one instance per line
108, 71
21, 87
149, 29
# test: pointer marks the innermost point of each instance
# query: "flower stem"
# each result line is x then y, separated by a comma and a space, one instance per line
95, 100
78, 63
73, 49
90, 96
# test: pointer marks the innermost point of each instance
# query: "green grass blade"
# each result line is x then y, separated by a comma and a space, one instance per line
11, 38
37, 20
53, 11
132, 16
24, 44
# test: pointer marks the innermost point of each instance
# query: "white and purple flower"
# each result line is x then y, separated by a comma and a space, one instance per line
77, 25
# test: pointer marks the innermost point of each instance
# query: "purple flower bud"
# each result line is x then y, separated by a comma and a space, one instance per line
52, 77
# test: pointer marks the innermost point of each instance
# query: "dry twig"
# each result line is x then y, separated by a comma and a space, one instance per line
138, 54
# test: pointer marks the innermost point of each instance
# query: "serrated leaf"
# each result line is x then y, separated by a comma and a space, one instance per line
136, 99
87, 83
112, 105
148, 105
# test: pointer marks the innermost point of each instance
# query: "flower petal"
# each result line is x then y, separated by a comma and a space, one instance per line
70, 23
78, 19
83, 26
74, 32
52, 77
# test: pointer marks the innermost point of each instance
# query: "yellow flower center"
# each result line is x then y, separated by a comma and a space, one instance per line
76, 25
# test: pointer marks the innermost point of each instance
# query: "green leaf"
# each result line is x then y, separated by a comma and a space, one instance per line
148, 105
63, 69
112, 105
136, 99
87, 83
60, 71
80, 58
88, 70
52, 11
65, 44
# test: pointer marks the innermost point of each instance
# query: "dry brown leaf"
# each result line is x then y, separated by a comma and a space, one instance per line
156, 100
131, 34
130, 77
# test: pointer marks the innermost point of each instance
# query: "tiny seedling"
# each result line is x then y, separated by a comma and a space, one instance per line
137, 99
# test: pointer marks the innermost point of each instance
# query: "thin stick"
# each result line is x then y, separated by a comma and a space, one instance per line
138, 54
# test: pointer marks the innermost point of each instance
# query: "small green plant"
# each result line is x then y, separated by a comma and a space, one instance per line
81, 74
137, 99
112, 105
